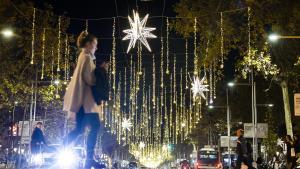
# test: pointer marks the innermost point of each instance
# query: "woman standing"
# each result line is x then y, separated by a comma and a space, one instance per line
79, 101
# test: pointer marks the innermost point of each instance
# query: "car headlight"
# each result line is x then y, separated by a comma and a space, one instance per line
66, 158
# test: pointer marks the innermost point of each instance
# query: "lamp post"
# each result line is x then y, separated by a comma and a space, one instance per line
253, 110
13, 113
228, 124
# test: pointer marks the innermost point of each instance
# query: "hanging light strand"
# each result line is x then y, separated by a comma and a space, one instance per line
153, 85
52, 65
66, 57
215, 79
186, 64
68, 63
33, 38
162, 63
125, 87
195, 47
222, 41
114, 58
43, 52
174, 80
167, 52
58, 44
210, 84
86, 25
249, 32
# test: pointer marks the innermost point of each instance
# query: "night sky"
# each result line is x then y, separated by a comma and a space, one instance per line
100, 14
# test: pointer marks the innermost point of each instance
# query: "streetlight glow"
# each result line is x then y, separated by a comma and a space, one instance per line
7, 33
56, 82
230, 84
210, 106
271, 105
273, 37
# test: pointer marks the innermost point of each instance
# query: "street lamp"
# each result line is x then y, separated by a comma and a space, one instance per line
253, 107
273, 37
56, 82
7, 33
230, 84
210, 106
228, 123
265, 105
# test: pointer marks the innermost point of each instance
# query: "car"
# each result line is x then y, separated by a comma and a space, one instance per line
133, 165
208, 158
225, 160
57, 156
184, 164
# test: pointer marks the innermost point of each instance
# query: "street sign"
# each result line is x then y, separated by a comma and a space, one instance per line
261, 131
297, 104
224, 141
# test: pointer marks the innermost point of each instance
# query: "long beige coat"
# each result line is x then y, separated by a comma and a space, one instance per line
79, 91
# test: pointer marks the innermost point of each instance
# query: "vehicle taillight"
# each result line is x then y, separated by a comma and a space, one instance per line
219, 166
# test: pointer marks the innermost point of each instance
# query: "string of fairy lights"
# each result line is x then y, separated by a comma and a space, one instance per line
148, 113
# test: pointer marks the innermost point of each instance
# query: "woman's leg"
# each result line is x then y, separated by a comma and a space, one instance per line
93, 120
79, 128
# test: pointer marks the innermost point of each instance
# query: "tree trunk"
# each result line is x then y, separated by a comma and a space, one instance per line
287, 109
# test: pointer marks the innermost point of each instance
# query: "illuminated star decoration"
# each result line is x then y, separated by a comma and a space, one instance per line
138, 31
126, 124
142, 145
198, 87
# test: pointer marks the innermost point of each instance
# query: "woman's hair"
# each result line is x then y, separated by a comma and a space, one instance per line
84, 38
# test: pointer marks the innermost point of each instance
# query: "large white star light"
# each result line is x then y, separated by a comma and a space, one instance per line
138, 31
126, 124
198, 87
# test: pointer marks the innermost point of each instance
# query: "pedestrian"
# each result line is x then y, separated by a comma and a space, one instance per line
297, 149
79, 101
241, 150
290, 151
37, 139
101, 88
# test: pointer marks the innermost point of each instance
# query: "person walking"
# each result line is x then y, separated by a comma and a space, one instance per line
79, 102
37, 139
241, 150
290, 153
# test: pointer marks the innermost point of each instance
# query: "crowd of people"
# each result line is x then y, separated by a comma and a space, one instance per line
288, 154
286, 157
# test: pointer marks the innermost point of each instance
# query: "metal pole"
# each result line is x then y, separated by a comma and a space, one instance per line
35, 92
228, 128
252, 111
13, 113
255, 126
31, 110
